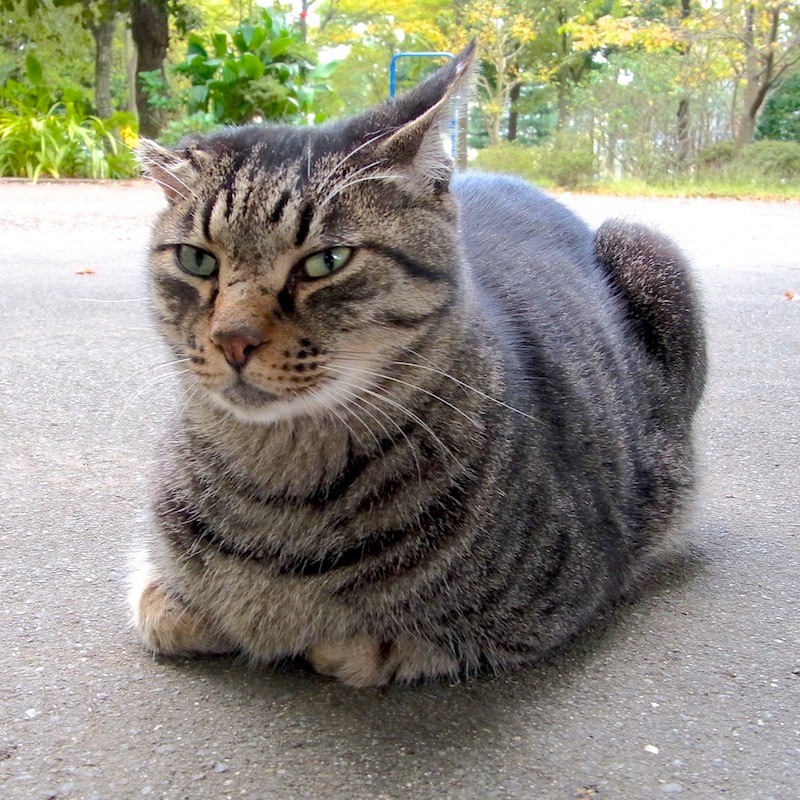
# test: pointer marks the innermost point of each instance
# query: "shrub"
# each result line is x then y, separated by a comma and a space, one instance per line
511, 158
567, 160
41, 134
781, 117
760, 163
716, 156
199, 122
260, 70
563, 159
769, 161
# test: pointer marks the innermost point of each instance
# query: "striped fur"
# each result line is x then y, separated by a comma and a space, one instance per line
451, 454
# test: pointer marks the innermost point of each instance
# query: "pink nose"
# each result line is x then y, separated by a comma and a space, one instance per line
238, 344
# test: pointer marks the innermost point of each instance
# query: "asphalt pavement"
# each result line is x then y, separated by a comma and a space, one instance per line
692, 692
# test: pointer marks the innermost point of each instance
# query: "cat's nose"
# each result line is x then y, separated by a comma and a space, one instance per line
238, 343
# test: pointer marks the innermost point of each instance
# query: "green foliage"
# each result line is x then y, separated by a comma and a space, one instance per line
567, 160
716, 157
200, 122
764, 163
769, 162
564, 159
41, 134
261, 70
511, 158
781, 116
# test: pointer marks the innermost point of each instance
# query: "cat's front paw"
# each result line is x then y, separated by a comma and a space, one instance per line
363, 661
359, 662
165, 625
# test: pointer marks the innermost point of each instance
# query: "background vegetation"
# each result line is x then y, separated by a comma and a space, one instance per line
647, 95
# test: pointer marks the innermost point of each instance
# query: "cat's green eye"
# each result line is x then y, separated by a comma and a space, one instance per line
195, 261
321, 264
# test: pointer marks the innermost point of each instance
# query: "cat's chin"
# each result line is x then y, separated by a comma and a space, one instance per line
250, 404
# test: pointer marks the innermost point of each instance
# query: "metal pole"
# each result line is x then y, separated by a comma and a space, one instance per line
454, 124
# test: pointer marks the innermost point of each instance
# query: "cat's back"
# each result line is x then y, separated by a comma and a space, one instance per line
515, 234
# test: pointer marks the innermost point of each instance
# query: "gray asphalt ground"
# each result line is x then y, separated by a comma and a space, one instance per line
694, 691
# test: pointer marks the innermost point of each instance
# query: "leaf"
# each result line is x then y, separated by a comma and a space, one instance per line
86, 272
252, 66
220, 43
195, 47
244, 36
277, 47
792, 297
33, 69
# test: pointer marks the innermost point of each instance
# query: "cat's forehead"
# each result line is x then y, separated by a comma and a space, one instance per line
279, 153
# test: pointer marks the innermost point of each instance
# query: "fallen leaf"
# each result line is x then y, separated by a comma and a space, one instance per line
85, 272
793, 297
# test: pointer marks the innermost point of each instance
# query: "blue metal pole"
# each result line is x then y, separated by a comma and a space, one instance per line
398, 56
393, 84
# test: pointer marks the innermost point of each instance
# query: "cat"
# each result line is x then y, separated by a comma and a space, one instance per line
431, 423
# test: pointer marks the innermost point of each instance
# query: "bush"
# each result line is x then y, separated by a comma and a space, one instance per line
42, 134
511, 158
199, 122
567, 160
261, 70
563, 159
769, 161
717, 156
760, 163
781, 117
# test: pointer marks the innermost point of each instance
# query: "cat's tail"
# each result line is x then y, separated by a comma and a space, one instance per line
651, 276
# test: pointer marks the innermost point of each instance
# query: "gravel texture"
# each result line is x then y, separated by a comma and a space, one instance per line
693, 692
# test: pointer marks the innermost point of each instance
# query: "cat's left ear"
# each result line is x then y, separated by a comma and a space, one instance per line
172, 170
425, 117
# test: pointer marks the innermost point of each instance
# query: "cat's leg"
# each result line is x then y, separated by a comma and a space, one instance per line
165, 624
363, 661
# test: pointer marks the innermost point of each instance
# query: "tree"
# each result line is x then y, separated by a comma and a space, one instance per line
99, 17
150, 32
762, 41
781, 116
504, 29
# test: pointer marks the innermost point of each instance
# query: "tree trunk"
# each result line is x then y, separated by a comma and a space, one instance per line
746, 124
103, 33
150, 30
760, 73
684, 139
562, 91
513, 114
684, 118
130, 71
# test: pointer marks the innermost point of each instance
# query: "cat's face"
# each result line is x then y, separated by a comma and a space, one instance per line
292, 265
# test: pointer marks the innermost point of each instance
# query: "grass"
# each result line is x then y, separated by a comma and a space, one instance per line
742, 189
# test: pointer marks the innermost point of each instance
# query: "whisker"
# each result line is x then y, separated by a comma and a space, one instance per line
350, 429
339, 164
418, 388
385, 176
145, 369
380, 411
100, 300
464, 385
410, 414
145, 387
443, 374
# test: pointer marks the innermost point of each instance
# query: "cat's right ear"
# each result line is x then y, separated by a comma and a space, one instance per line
172, 170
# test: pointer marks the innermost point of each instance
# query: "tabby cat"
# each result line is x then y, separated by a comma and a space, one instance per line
431, 424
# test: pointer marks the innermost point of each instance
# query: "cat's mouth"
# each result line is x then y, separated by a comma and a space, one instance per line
245, 394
